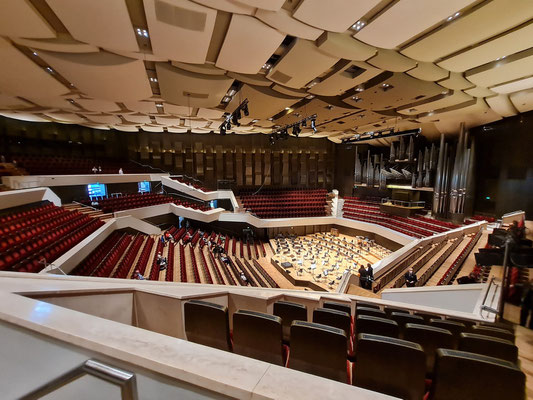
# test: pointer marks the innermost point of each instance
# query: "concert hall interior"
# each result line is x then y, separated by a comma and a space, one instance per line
266, 199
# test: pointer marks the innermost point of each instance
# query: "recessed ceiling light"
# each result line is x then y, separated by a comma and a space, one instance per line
159, 105
226, 99
50, 70
34, 53
254, 121
287, 108
267, 66
231, 92
356, 99
271, 119
310, 96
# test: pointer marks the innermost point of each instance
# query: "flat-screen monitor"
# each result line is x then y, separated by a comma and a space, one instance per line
144, 187
96, 189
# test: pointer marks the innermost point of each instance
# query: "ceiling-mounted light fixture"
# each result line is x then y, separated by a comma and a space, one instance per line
234, 116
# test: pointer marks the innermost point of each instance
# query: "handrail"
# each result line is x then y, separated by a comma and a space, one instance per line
124, 379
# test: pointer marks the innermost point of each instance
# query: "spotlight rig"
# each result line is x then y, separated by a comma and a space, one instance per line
283, 132
384, 133
234, 117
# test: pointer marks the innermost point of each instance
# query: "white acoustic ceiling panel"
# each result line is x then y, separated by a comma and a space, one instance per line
209, 114
54, 102
228, 6
180, 29
188, 89
272, 5
207, 69
102, 75
523, 100
11, 102
19, 76
24, 116
145, 107
18, 18
137, 118
248, 44
152, 128
514, 86
98, 105
444, 101
302, 63
512, 68
492, 18
165, 121
333, 15
456, 82
176, 110
283, 21
479, 91
428, 72
344, 46
102, 23
65, 117
350, 75
289, 91
62, 44
406, 19
502, 105
126, 128
502, 46
391, 60
104, 119
254, 80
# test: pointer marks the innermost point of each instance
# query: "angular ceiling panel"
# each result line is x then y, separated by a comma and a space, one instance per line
438, 103
473, 114
333, 15
228, 6
344, 46
302, 63
252, 38
350, 75
502, 46
188, 89
523, 101
428, 72
456, 82
145, 107
263, 102
406, 19
8, 102
102, 75
19, 76
126, 128
102, 23
24, 116
272, 5
480, 91
104, 119
391, 60
98, 105
512, 68
137, 118
18, 18
283, 21
492, 18
62, 44
502, 105
514, 86
396, 91
180, 29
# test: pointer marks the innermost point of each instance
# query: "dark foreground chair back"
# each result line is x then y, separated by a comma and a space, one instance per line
319, 350
392, 366
289, 312
427, 316
460, 375
338, 306
495, 332
489, 346
207, 323
468, 323
258, 336
390, 310
456, 328
370, 311
335, 318
376, 326
430, 338
367, 305
403, 318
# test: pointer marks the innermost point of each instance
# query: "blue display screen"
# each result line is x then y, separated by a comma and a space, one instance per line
96, 189
144, 187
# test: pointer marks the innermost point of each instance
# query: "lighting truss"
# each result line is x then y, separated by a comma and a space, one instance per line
234, 117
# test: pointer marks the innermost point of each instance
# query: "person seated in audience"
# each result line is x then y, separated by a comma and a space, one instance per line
120, 171
168, 237
527, 304
369, 276
99, 169
137, 275
410, 278
95, 170
362, 276
472, 277
243, 278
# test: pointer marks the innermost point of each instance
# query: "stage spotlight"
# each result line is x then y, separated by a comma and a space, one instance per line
222, 130
235, 120
228, 126
245, 110
272, 139
313, 126
295, 130
304, 123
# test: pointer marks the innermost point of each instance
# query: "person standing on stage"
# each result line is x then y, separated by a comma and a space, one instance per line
369, 276
362, 276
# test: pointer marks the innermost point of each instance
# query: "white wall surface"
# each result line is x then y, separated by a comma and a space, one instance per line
450, 297
15, 198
